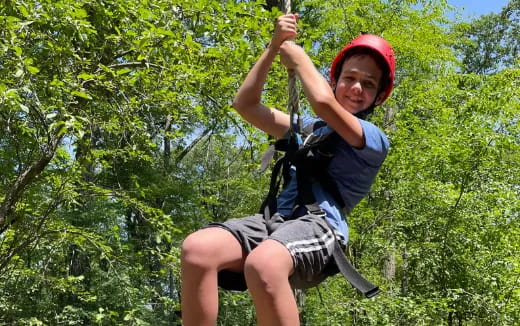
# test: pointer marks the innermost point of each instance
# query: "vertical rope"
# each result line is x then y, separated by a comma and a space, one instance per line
294, 110
293, 104
286, 6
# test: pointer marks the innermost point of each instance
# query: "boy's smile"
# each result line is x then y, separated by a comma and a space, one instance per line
358, 83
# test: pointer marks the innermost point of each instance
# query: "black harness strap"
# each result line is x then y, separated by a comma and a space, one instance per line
269, 204
346, 269
349, 272
311, 162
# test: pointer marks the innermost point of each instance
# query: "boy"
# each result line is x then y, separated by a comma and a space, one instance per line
294, 248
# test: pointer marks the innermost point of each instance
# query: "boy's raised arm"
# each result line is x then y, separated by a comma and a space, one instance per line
247, 101
320, 95
248, 104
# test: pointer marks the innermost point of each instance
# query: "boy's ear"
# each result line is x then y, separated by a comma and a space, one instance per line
379, 99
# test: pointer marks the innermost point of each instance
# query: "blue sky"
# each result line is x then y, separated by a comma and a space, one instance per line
475, 8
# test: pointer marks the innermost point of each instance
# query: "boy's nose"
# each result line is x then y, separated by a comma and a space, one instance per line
356, 87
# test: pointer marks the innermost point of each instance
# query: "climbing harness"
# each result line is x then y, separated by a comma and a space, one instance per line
311, 160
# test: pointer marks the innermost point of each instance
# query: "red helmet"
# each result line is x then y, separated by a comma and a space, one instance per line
377, 44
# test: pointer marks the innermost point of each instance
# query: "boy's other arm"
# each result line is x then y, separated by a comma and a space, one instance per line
247, 101
321, 96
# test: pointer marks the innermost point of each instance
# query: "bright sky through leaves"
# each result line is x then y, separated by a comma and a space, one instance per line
472, 8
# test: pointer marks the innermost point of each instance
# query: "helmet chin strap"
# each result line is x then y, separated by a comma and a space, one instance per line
365, 113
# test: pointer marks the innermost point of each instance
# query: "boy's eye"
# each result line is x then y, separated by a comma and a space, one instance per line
369, 84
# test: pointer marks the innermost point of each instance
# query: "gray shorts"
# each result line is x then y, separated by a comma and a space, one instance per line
308, 238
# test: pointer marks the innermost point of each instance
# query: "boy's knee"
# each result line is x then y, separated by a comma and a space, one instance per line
266, 267
194, 251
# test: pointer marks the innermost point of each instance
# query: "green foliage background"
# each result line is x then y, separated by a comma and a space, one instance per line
118, 139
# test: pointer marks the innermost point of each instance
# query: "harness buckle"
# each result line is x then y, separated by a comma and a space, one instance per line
315, 210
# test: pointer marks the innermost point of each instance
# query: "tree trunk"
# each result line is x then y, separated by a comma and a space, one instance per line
389, 266
404, 278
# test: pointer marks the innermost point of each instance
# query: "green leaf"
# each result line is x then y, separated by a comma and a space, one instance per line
33, 70
81, 94
11, 93
23, 11
124, 71
162, 31
85, 76
17, 51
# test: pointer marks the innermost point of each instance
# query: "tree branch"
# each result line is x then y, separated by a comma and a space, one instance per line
24, 179
186, 150
135, 64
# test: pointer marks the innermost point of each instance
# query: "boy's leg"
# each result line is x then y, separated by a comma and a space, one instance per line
267, 269
204, 253
296, 254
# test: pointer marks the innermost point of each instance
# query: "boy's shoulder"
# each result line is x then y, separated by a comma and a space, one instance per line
372, 131
320, 127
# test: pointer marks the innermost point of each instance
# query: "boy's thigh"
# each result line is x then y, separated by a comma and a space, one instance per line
213, 247
250, 231
310, 242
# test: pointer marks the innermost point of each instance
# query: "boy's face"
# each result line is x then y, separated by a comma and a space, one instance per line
358, 83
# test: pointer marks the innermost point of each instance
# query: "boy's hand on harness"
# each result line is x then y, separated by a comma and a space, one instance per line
285, 28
